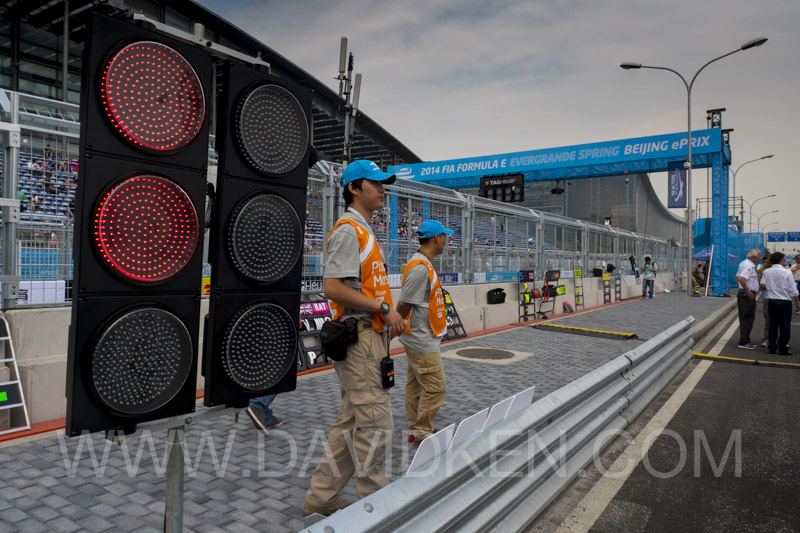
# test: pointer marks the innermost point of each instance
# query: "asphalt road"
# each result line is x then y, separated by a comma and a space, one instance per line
724, 451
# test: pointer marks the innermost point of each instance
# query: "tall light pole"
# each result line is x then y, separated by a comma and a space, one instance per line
688, 164
758, 223
768, 225
764, 229
740, 166
750, 208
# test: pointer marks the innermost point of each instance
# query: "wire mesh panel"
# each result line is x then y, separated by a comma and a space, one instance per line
409, 204
315, 234
600, 246
44, 257
561, 244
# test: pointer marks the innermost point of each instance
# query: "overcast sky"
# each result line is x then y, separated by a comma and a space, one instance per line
453, 79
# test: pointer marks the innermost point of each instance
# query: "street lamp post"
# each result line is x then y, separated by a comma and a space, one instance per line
750, 208
740, 166
688, 164
764, 229
758, 223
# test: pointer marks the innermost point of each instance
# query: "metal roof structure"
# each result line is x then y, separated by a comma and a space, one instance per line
370, 140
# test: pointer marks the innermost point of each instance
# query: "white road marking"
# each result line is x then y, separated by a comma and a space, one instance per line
594, 503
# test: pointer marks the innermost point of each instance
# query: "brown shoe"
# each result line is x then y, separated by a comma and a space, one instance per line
327, 510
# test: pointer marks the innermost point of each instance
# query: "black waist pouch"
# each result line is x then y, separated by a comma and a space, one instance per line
335, 337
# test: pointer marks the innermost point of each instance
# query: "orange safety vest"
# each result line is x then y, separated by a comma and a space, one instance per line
436, 312
374, 280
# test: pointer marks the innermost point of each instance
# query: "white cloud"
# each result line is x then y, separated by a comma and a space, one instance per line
458, 78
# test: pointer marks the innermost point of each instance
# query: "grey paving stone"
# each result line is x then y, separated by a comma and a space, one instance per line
30, 525
25, 503
147, 529
44, 514
10, 493
95, 524
103, 510
74, 512
238, 527
63, 525
54, 501
134, 510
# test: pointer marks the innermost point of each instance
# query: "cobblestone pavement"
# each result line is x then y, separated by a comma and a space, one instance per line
237, 480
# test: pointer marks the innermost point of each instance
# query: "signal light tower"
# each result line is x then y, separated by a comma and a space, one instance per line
256, 248
138, 229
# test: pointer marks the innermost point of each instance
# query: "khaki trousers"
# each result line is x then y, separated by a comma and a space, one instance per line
357, 441
425, 391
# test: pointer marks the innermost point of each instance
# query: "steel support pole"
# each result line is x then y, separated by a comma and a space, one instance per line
10, 277
173, 514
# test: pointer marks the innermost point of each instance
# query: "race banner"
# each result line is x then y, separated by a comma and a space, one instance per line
676, 186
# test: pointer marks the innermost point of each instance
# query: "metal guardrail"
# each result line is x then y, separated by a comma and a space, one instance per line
504, 477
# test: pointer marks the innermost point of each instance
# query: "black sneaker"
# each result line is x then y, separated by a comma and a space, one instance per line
258, 417
748, 346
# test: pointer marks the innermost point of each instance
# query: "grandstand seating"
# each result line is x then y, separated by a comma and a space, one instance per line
54, 197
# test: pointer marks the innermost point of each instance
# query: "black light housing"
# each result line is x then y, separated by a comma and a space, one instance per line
141, 189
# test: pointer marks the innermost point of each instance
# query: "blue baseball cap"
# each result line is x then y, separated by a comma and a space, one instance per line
365, 169
432, 228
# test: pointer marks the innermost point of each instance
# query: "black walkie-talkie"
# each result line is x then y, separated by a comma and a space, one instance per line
387, 368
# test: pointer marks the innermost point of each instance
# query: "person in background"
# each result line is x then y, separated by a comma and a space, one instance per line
796, 272
699, 276
648, 277
261, 414
747, 279
764, 302
422, 306
782, 290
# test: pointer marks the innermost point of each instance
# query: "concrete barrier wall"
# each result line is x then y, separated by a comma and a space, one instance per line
40, 335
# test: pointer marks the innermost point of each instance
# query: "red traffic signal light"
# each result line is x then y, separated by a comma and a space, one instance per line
141, 189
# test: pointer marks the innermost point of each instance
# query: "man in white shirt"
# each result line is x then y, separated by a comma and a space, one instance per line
778, 280
747, 279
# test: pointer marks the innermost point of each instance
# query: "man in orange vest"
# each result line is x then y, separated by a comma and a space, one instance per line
422, 305
357, 285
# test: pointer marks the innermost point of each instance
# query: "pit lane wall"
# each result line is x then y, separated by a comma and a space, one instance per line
40, 334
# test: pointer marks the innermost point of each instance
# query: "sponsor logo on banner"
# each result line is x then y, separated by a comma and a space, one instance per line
676, 186
501, 276
314, 308
450, 278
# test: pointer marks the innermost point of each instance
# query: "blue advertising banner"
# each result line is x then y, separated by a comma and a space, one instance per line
793, 236
676, 184
776, 236
663, 146
450, 278
501, 276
